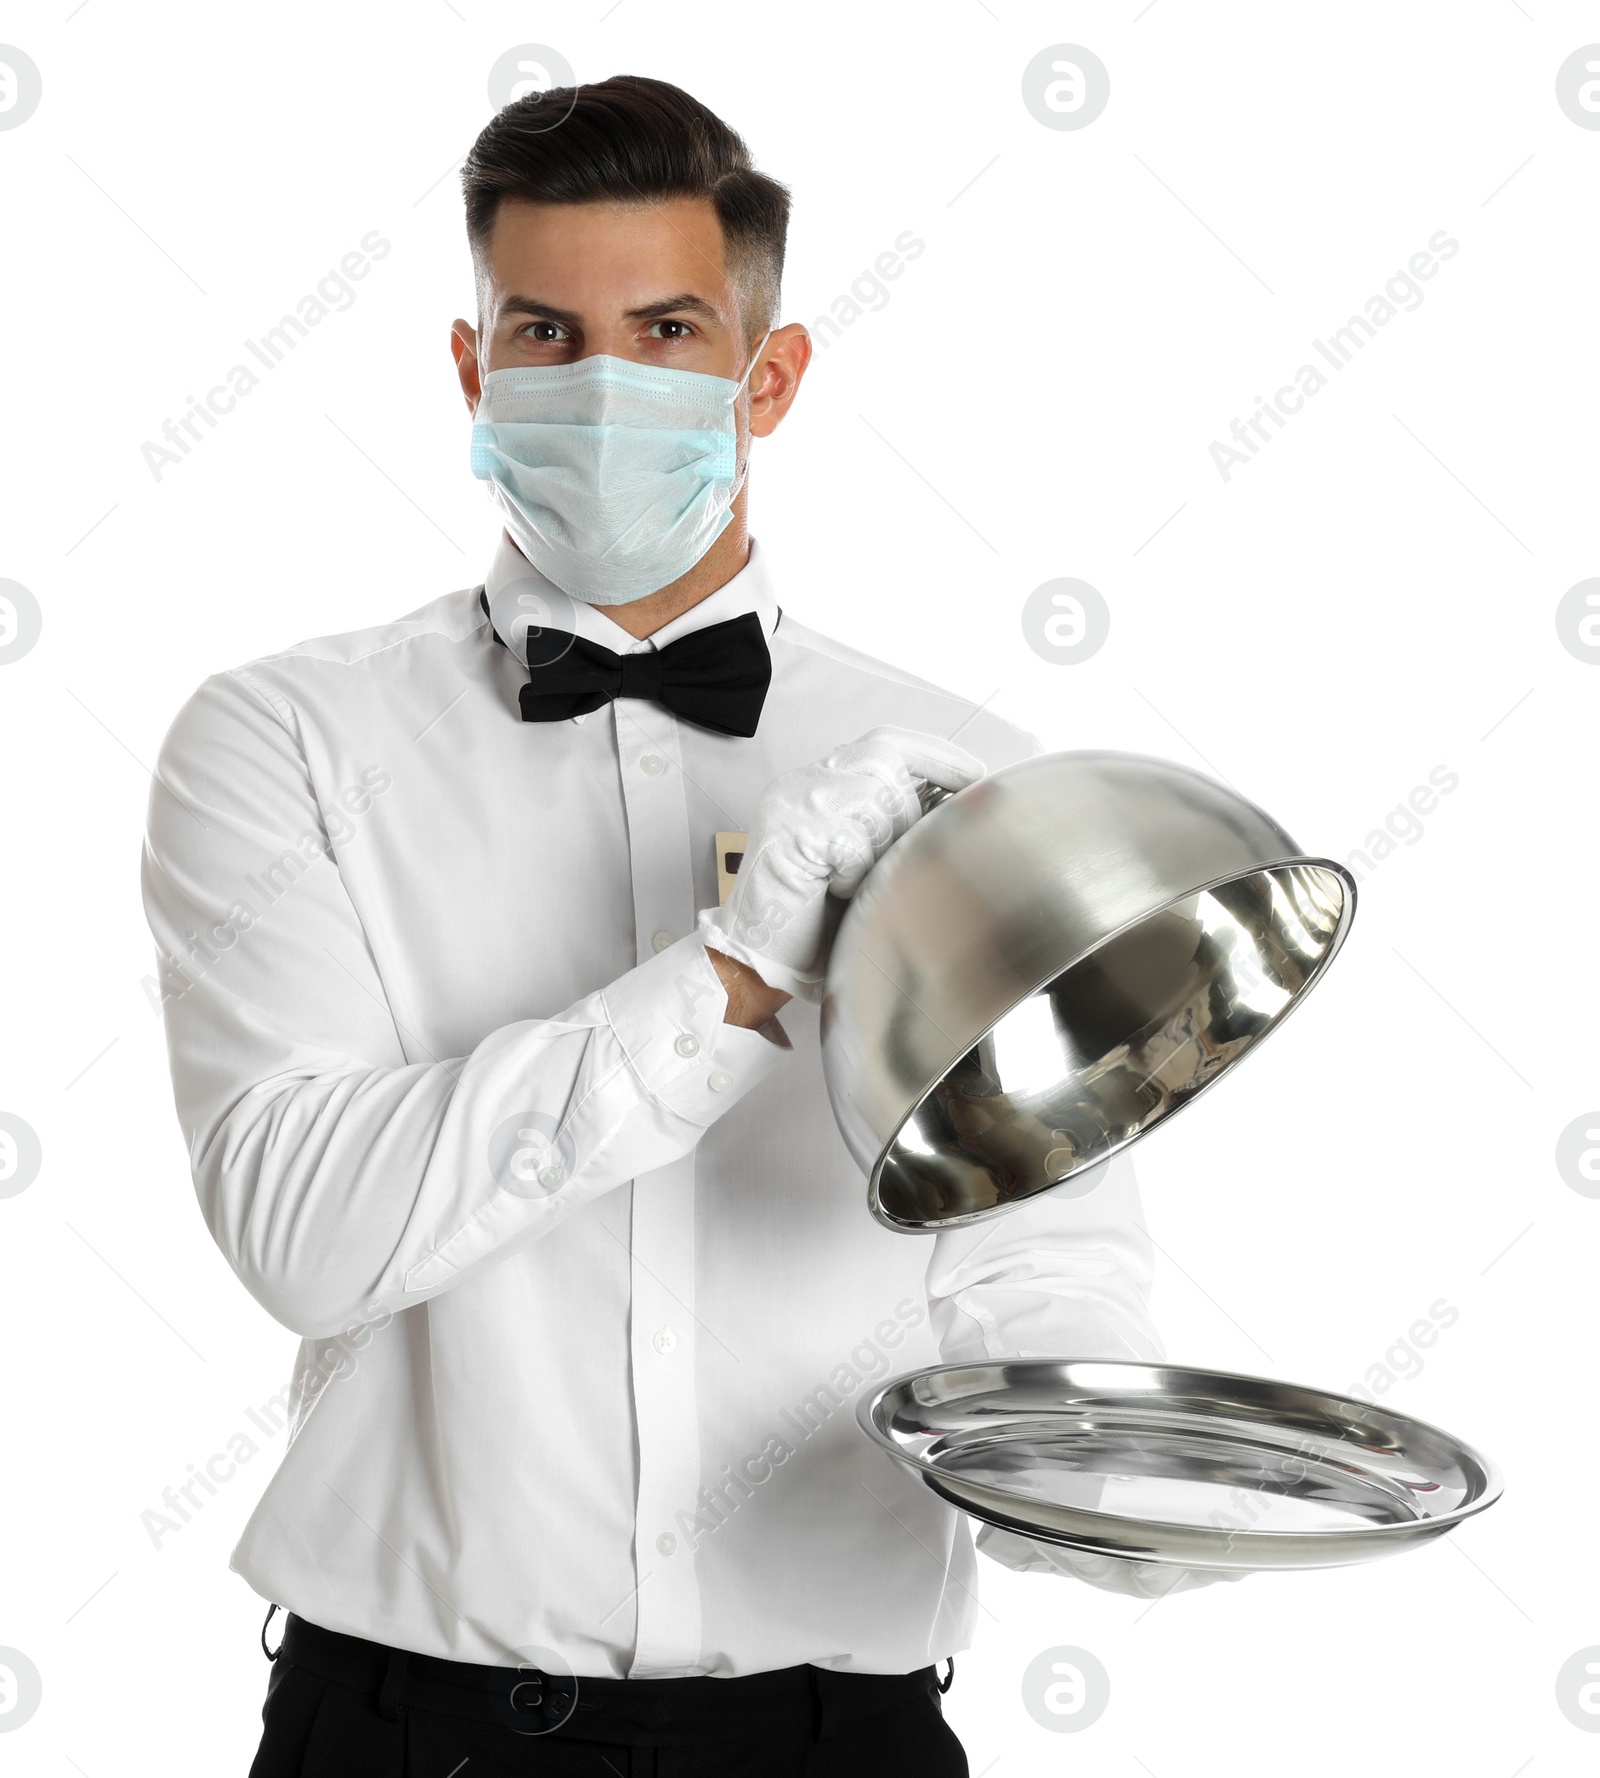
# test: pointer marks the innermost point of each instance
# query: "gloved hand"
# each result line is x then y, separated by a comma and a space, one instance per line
817, 833
1112, 1574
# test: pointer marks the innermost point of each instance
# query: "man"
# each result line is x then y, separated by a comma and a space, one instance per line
486, 1091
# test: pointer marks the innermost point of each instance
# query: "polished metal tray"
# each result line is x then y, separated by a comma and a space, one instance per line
1159, 1463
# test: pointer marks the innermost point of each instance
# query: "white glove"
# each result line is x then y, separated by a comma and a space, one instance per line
820, 829
1112, 1574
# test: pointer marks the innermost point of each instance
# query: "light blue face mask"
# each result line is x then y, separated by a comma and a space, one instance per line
613, 478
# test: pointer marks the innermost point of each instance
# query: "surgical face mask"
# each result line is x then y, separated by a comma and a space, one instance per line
613, 478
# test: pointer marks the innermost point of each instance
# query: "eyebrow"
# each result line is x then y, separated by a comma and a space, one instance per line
685, 303
531, 305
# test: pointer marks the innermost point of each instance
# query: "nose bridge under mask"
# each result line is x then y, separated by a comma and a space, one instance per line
602, 389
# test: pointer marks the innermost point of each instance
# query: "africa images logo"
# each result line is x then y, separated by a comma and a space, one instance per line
1401, 294
335, 292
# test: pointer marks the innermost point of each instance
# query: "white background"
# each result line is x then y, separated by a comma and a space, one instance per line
1372, 596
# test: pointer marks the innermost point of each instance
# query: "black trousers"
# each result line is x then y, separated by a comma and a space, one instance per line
340, 1707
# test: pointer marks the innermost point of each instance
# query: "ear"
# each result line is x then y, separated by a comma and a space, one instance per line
464, 349
775, 381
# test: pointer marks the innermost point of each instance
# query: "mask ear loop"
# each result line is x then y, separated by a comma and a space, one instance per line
755, 356
755, 359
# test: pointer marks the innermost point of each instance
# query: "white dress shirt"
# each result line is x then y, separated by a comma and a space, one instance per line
586, 1278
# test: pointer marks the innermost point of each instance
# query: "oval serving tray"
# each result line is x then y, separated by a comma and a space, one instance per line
1159, 1463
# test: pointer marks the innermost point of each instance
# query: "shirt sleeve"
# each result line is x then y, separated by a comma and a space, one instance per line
1061, 1276
339, 1178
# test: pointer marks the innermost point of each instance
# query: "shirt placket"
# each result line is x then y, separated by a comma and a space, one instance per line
662, 1324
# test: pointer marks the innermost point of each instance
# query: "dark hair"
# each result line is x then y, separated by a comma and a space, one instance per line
630, 140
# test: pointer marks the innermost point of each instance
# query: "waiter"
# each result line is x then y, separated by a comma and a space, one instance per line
498, 1100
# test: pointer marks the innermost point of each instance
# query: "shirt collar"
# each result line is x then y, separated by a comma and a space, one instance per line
519, 595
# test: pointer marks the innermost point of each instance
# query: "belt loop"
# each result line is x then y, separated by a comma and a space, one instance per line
950, 1674
394, 1680
271, 1653
816, 1703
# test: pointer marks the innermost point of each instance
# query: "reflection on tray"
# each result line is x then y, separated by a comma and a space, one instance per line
1185, 1480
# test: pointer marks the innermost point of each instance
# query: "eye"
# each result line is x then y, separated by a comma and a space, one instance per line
545, 333
671, 330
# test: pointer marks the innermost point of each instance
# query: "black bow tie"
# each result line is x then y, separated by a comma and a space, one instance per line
716, 677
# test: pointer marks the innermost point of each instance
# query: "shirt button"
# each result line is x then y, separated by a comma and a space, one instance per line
550, 1177
665, 1340
661, 941
666, 1543
719, 1080
687, 1045
652, 765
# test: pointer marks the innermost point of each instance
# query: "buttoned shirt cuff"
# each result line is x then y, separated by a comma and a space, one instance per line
668, 1016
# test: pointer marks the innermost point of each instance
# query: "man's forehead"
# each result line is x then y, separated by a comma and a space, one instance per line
633, 252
